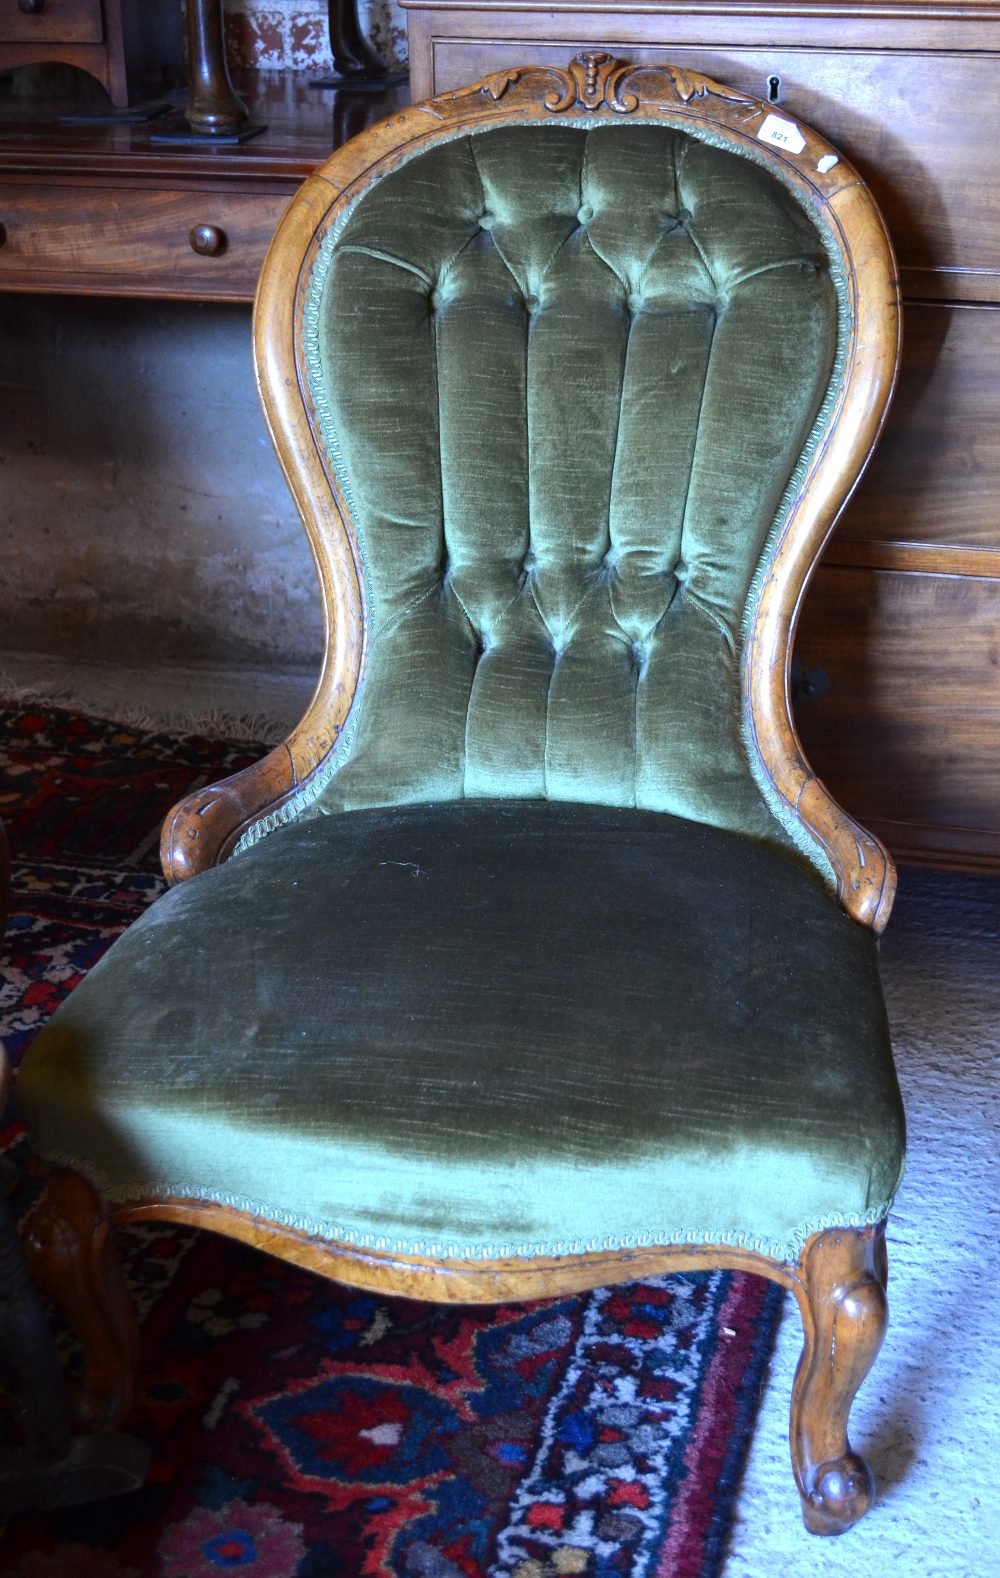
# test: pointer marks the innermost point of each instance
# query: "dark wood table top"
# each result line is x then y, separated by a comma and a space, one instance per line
304, 125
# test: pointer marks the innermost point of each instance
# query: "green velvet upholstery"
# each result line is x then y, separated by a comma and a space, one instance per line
545, 976
565, 375
489, 1027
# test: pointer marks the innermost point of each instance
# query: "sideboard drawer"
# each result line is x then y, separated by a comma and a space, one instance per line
940, 196
903, 719
51, 22
208, 245
902, 118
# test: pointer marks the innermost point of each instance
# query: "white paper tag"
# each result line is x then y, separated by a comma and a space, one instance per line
782, 133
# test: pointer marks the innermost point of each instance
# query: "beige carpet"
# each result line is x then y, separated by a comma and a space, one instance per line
928, 1417
232, 704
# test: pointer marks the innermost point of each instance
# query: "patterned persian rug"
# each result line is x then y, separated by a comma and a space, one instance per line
303, 1429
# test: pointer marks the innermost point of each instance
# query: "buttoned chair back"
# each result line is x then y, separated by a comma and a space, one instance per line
588, 374
565, 375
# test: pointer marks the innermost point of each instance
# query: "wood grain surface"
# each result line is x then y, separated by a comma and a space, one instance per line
134, 242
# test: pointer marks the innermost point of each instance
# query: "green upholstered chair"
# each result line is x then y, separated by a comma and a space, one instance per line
537, 957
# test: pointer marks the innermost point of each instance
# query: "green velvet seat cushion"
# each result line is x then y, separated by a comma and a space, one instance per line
486, 1027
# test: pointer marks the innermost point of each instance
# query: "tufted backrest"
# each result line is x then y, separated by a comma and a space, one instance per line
571, 372
565, 373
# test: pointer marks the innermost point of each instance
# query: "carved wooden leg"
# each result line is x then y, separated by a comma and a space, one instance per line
28, 1362
841, 1294
72, 1251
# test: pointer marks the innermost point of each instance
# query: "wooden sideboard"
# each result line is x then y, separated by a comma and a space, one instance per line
898, 652
105, 210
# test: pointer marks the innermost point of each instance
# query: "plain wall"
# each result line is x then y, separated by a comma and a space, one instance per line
144, 518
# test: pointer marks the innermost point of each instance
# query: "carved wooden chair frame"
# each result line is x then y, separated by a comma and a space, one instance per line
839, 1279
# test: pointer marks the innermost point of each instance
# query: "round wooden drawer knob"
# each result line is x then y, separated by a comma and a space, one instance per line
208, 240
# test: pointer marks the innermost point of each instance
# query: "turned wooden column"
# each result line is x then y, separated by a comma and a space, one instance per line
215, 112
214, 108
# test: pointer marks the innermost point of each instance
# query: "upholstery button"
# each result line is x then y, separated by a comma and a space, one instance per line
531, 302
683, 215
487, 221
585, 213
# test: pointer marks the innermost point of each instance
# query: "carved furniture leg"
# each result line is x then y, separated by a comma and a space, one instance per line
72, 1252
841, 1283
51, 1468
29, 1366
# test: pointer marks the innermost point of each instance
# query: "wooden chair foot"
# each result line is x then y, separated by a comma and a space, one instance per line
71, 1247
841, 1295
94, 1467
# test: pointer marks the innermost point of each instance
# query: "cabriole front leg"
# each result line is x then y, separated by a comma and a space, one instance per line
840, 1287
71, 1247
